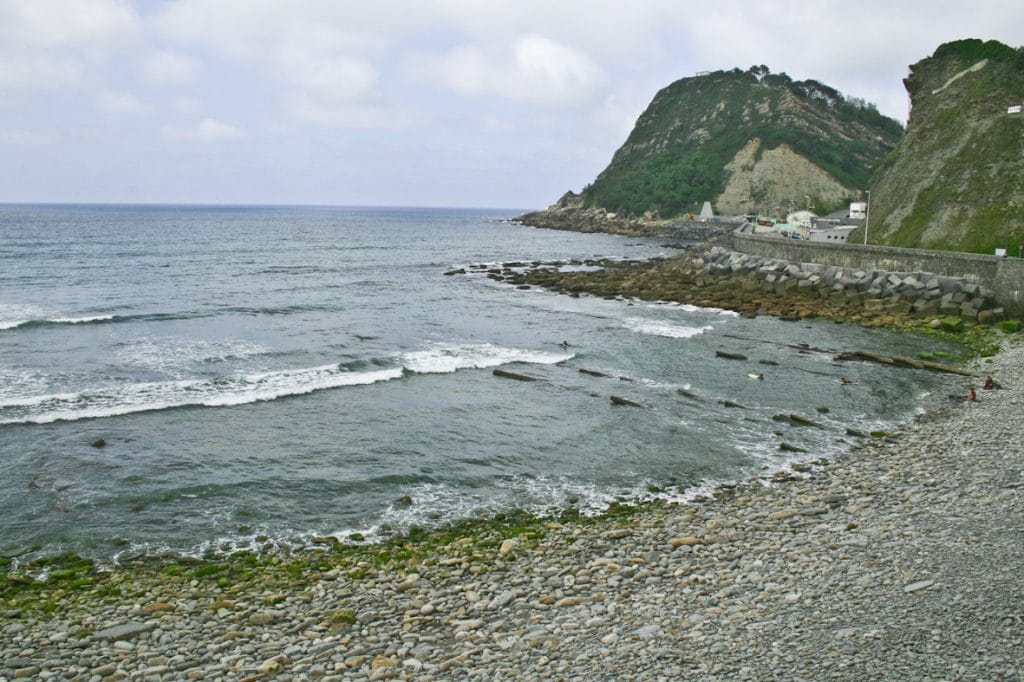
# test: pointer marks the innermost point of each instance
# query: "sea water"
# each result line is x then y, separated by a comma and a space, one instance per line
265, 375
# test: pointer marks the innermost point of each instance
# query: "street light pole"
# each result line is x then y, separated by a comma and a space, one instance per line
867, 216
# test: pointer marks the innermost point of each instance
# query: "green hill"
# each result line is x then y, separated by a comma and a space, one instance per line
956, 179
746, 141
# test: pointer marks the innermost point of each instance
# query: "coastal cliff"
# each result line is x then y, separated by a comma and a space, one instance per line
956, 180
746, 141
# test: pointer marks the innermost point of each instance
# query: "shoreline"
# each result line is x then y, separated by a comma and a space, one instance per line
896, 560
817, 570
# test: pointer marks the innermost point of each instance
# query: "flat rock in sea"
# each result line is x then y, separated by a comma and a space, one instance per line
512, 375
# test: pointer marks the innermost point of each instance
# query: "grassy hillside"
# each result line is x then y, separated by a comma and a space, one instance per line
676, 156
956, 181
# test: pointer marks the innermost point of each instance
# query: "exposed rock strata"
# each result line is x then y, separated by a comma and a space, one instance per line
762, 178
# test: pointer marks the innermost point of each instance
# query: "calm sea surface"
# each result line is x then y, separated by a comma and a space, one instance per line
293, 372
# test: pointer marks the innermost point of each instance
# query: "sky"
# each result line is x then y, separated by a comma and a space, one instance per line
460, 103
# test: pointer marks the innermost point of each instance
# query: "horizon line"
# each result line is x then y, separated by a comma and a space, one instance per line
169, 204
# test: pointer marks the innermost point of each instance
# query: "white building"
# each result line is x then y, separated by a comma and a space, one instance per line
838, 234
801, 218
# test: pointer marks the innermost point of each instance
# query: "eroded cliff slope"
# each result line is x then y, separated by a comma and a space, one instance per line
956, 179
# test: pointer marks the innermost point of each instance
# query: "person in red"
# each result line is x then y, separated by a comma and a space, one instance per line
972, 395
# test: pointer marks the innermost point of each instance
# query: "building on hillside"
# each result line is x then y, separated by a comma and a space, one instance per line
837, 233
770, 227
802, 218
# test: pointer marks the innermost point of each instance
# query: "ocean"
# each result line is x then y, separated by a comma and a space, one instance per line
264, 376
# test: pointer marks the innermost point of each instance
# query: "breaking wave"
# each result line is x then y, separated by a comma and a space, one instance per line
240, 389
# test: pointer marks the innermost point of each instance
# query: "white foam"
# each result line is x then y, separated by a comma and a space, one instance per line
431, 499
173, 355
448, 358
241, 389
662, 328
80, 320
690, 308
225, 391
547, 494
19, 384
273, 385
15, 314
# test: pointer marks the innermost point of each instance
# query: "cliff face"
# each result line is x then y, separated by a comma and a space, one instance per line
956, 179
748, 141
763, 178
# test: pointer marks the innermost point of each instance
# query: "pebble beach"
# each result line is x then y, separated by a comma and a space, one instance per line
899, 559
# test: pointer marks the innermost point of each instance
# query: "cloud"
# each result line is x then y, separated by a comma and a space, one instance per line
207, 130
321, 63
187, 106
27, 138
863, 53
68, 24
327, 76
328, 88
533, 68
251, 30
50, 44
113, 102
163, 67
26, 70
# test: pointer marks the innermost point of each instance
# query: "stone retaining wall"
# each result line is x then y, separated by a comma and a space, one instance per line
920, 293
1003, 277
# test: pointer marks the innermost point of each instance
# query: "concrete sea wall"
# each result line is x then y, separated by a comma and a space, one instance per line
1002, 278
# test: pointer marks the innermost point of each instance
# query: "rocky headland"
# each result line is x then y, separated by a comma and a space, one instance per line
570, 213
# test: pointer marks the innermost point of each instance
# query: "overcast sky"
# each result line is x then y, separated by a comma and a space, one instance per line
483, 103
